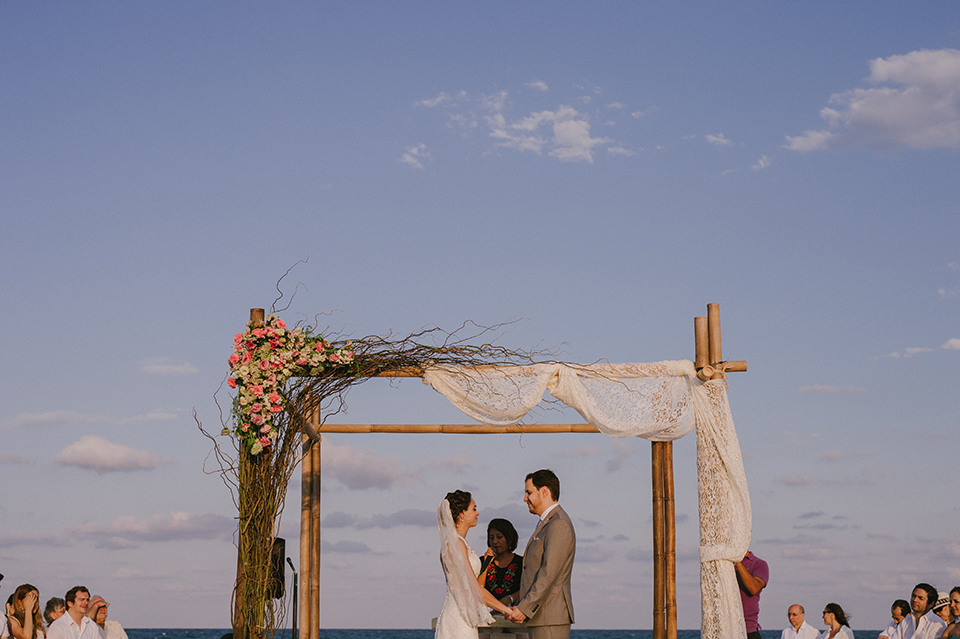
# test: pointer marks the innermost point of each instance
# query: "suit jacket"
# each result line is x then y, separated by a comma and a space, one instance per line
547, 563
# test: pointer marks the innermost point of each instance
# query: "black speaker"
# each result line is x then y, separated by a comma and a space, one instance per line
275, 588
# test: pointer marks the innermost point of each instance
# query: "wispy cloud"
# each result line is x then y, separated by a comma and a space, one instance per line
361, 468
762, 163
823, 389
915, 350
129, 531
796, 480
414, 154
914, 104
719, 139
539, 85
74, 418
810, 515
92, 452
13, 458
163, 366
33, 539
952, 344
619, 150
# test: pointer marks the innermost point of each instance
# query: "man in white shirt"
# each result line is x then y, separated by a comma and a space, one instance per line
75, 624
798, 628
922, 622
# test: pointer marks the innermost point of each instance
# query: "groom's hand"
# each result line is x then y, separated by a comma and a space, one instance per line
516, 616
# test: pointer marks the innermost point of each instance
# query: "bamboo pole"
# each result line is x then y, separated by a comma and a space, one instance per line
702, 340
306, 478
456, 429
659, 608
670, 543
315, 541
713, 328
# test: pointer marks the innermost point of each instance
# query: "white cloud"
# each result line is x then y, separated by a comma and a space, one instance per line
952, 344
414, 154
909, 352
719, 139
914, 104
539, 85
947, 294
762, 163
619, 150
616, 105
361, 468
74, 418
162, 366
570, 139
441, 99
832, 390
128, 531
13, 458
95, 453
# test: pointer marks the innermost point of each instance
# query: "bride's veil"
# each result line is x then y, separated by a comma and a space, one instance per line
461, 581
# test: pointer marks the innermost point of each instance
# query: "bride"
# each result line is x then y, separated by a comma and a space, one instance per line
466, 605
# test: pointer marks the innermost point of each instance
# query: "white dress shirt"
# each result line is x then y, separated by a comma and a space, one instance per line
806, 632
66, 628
930, 626
889, 630
843, 633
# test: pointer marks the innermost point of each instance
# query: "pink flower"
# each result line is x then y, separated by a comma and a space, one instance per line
256, 418
256, 408
274, 397
245, 427
265, 428
275, 408
258, 332
234, 359
318, 346
263, 365
272, 379
256, 389
231, 382
264, 441
281, 324
247, 358
302, 362
335, 357
238, 339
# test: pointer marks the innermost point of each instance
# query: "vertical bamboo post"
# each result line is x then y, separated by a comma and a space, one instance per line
315, 542
713, 322
670, 533
701, 337
306, 572
656, 454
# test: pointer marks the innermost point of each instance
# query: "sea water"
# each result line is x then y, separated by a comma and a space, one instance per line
353, 633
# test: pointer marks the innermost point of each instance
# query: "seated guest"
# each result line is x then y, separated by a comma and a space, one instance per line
25, 620
837, 625
921, 623
942, 607
502, 575
953, 630
54, 609
798, 628
75, 624
111, 629
5, 627
898, 611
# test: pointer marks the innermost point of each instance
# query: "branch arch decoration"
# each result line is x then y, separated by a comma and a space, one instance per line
289, 381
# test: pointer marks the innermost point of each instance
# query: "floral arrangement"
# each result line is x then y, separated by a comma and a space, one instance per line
265, 356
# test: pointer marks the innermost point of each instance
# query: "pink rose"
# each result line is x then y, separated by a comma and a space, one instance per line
275, 408
256, 389
231, 382
281, 324
263, 364
247, 358
272, 379
245, 427
265, 428
302, 362
258, 333
274, 397
234, 359
256, 408
256, 418
264, 441
335, 357
238, 339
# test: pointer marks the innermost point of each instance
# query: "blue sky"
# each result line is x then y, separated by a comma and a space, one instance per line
598, 172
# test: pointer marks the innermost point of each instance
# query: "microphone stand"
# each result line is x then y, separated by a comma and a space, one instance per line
295, 598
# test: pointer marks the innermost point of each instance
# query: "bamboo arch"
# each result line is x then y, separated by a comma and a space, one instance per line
709, 364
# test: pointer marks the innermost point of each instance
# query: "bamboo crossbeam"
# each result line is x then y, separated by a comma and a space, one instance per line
457, 429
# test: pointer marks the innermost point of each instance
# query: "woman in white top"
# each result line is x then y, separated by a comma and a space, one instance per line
24, 621
837, 625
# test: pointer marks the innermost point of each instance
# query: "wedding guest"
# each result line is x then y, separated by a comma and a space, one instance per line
898, 611
111, 629
25, 620
5, 627
502, 574
54, 609
942, 607
753, 574
953, 630
921, 623
798, 628
837, 624
75, 624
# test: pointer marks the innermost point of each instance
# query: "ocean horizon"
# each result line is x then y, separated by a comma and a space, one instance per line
426, 633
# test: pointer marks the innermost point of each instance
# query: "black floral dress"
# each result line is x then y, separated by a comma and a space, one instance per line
504, 581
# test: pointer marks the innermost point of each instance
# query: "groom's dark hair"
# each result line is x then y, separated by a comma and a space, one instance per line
545, 477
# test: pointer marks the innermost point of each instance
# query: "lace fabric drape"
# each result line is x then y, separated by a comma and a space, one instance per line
662, 401
461, 580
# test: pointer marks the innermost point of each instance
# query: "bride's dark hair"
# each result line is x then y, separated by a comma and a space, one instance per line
459, 502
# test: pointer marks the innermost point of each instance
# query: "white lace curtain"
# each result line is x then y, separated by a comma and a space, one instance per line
661, 401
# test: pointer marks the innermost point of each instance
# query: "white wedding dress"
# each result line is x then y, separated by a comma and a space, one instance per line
463, 608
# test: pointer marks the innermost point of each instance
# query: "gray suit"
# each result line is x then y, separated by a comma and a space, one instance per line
545, 582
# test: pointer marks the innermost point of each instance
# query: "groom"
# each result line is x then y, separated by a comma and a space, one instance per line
545, 603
